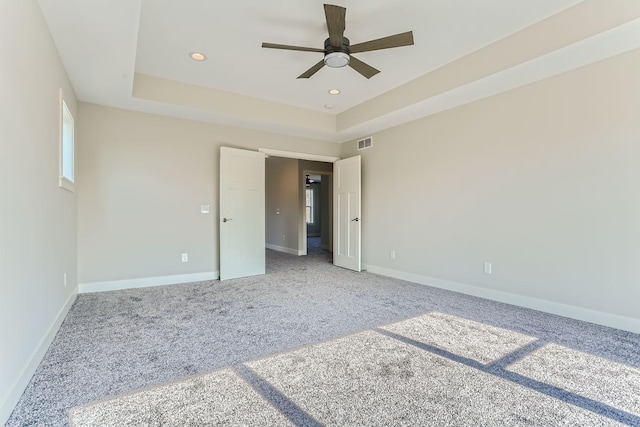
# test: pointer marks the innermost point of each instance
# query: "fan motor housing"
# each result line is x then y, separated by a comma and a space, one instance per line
334, 56
344, 48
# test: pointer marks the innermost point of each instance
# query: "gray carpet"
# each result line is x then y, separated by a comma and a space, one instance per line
117, 342
369, 379
218, 398
611, 383
466, 338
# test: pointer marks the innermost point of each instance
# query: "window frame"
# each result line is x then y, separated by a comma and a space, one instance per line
67, 155
309, 206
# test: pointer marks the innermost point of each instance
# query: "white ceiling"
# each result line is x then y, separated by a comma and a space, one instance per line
231, 33
104, 43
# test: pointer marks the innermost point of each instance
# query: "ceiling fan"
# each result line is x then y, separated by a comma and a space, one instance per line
337, 48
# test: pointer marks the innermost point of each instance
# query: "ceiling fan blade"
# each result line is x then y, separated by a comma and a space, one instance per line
335, 16
287, 47
311, 71
402, 39
366, 70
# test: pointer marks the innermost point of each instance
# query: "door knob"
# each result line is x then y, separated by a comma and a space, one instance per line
226, 219
356, 219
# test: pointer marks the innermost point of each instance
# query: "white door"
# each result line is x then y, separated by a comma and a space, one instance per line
241, 213
346, 213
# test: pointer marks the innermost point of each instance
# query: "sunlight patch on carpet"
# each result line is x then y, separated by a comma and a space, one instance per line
473, 340
609, 382
371, 379
216, 398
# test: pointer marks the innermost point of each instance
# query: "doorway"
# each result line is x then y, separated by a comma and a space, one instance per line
290, 216
345, 195
318, 213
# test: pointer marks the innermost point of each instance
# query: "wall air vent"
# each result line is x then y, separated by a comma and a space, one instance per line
365, 143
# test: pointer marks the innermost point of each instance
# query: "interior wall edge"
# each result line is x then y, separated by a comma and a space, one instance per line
574, 312
146, 282
283, 249
30, 366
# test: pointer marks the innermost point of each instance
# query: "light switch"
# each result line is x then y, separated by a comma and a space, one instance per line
205, 209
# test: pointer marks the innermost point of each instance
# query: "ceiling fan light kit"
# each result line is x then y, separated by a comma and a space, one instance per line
337, 50
336, 57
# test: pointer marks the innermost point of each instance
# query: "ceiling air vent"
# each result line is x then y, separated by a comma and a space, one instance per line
363, 144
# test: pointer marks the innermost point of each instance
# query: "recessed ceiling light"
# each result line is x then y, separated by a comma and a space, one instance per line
197, 56
334, 91
328, 106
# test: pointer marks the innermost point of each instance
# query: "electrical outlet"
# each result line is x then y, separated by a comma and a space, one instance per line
185, 257
65, 280
487, 268
392, 254
284, 238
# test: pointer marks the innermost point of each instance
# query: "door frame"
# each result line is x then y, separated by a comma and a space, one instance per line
303, 224
302, 248
299, 156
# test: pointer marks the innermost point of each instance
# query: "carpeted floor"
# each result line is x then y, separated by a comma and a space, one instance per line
314, 247
306, 337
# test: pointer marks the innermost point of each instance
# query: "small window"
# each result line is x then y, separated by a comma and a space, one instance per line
67, 147
309, 206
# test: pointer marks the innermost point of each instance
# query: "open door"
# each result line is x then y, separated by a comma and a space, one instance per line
242, 233
346, 213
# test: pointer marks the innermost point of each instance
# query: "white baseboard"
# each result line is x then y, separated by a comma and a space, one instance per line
283, 249
588, 315
18, 387
146, 282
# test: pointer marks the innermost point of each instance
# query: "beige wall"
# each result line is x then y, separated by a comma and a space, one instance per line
542, 181
281, 204
142, 179
37, 217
